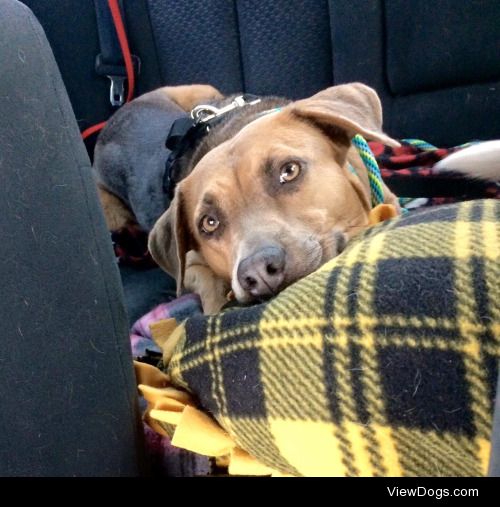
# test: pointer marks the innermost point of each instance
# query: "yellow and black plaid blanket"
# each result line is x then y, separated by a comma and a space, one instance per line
382, 363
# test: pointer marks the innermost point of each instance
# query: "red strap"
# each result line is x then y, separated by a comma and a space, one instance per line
122, 38
92, 130
127, 57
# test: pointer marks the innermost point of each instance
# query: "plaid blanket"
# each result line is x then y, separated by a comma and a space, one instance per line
381, 363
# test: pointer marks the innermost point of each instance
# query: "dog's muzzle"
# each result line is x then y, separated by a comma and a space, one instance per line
262, 273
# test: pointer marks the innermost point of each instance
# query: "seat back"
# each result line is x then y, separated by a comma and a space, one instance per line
69, 401
434, 64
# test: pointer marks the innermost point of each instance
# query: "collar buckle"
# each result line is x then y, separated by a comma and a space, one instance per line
204, 112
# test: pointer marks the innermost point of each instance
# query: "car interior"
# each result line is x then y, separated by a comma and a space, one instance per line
70, 403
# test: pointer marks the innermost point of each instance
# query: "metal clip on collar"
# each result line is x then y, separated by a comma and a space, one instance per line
204, 112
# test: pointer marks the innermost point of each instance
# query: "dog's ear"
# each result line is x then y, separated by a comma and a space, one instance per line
170, 240
353, 108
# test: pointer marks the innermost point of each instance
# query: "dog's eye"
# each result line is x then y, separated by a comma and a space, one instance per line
209, 224
289, 172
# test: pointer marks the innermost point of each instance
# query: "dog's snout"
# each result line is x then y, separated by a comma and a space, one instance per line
262, 273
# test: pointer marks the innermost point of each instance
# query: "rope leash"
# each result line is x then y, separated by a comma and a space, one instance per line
374, 176
419, 144
425, 146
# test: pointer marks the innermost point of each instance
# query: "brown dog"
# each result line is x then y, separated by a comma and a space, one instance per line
272, 199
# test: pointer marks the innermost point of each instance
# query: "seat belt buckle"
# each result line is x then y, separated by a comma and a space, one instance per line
117, 73
117, 90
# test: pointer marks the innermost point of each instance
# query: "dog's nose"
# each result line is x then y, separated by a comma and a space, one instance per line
262, 273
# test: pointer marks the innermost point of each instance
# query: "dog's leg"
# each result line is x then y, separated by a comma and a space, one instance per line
189, 96
117, 215
200, 279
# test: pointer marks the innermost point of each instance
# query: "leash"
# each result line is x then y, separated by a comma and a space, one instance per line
374, 176
419, 144
425, 146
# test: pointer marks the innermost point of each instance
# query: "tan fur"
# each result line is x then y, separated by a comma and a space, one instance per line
329, 200
116, 213
200, 278
189, 96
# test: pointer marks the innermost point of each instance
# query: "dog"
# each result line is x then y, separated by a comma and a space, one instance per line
272, 191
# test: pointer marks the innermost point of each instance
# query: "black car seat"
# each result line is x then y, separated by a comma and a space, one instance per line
434, 64
68, 399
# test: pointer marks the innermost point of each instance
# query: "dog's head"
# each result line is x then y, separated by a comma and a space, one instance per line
277, 200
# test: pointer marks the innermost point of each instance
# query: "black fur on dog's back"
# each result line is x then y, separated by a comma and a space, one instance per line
130, 156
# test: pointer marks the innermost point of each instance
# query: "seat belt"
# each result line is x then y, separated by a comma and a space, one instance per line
115, 60
110, 62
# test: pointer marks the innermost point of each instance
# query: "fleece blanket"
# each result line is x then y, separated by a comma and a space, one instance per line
381, 363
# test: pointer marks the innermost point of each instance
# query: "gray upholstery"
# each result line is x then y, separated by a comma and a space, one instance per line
434, 63
68, 401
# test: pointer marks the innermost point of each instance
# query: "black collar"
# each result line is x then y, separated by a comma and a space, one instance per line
187, 131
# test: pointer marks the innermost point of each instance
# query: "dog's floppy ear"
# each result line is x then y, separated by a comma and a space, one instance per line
170, 240
354, 108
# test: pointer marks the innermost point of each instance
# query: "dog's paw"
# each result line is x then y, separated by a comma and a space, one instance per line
200, 279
